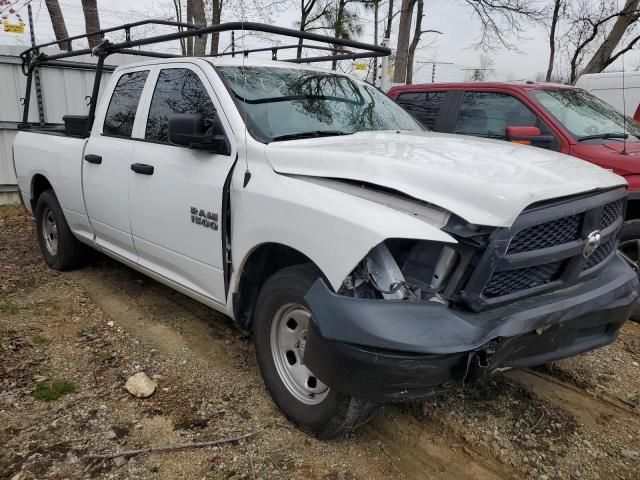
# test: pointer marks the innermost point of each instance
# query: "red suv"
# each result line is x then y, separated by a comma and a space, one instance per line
558, 117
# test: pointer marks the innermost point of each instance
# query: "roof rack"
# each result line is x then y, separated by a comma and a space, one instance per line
32, 58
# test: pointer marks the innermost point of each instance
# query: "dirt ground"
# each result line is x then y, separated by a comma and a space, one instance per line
85, 332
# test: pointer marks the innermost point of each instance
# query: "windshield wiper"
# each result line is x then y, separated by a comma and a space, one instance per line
604, 135
310, 134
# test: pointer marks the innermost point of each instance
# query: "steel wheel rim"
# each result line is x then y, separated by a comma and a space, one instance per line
289, 329
50, 231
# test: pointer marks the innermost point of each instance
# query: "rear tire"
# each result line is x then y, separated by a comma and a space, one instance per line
630, 246
60, 248
280, 321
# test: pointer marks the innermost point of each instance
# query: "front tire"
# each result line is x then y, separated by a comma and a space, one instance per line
60, 249
280, 324
630, 246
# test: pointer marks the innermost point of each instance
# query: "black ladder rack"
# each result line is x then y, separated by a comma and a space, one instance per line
340, 48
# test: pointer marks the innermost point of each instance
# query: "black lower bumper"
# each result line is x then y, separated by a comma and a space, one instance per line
386, 350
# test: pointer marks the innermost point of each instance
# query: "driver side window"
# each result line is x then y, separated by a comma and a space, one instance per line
178, 90
488, 114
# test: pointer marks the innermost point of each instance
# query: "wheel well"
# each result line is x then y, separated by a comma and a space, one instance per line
263, 262
39, 184
633, 210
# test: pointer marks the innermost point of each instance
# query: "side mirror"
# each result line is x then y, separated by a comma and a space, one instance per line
194, 131
528, 136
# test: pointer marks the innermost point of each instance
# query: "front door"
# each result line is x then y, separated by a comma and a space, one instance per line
176, 192
105, 168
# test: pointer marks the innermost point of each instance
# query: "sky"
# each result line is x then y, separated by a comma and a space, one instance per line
454, 48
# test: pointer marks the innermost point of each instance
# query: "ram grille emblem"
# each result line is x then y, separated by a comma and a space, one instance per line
591, 243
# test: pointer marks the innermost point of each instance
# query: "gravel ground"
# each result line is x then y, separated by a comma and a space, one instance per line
69, 342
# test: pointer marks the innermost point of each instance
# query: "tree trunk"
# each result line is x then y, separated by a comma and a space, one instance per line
189, 40
216, 12
402, 47
303, 25
339, 28
91, 21
387, 31
57, 21
600, 59
417, 33
199, 18
552, 38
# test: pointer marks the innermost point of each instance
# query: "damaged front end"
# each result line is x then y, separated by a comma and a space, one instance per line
417, 317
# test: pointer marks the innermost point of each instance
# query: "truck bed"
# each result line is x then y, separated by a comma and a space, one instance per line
58, 158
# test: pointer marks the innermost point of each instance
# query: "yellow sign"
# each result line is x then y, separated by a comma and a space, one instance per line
13, 27
361, 66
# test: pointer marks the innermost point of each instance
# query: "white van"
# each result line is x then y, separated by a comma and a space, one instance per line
608, 87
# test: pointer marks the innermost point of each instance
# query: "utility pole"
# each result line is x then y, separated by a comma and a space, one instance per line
36, 72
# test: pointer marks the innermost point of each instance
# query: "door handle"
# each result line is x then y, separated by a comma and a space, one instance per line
91, 158
142, 168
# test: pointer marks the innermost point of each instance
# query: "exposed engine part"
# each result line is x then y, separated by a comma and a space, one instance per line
446, 261
385, 274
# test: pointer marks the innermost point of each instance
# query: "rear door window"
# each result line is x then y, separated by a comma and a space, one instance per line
178, 90
488, 114
424, 106
121, 113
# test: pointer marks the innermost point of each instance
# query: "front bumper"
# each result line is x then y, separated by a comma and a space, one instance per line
386, 350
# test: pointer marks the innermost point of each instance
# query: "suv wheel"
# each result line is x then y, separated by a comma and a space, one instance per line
630, 246
60, 249
281, 322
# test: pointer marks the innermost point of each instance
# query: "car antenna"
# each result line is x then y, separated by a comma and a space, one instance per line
247, 173
624, 114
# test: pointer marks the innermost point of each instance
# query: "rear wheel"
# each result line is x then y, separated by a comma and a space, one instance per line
630, 247
60, 249
281, 323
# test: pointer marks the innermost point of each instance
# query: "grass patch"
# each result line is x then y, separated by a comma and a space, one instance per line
49, 391
8, 306
40, 340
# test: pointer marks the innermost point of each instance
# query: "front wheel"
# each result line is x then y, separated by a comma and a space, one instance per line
630, 247
281, 323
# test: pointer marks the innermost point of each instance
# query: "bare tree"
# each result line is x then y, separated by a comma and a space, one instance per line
311, 11
481, 72
402, 46
589, 28
58, 23
216, 13
415, 41
557, 4
603, 57
502, 19
198, 18
91, 21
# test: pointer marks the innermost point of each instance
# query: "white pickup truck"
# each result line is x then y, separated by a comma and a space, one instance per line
372, 260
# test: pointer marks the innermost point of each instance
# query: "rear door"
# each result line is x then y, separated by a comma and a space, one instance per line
176, 196
105, 166
429, 108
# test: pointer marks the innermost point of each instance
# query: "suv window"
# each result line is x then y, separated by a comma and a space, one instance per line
178, 90
488, 114
422, 105
123, 104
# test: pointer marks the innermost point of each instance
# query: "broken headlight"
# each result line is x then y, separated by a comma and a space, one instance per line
400, 269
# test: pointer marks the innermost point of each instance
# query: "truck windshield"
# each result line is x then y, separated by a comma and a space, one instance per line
287, 103
585, 116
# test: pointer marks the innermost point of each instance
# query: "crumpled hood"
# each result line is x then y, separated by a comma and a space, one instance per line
486, 182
